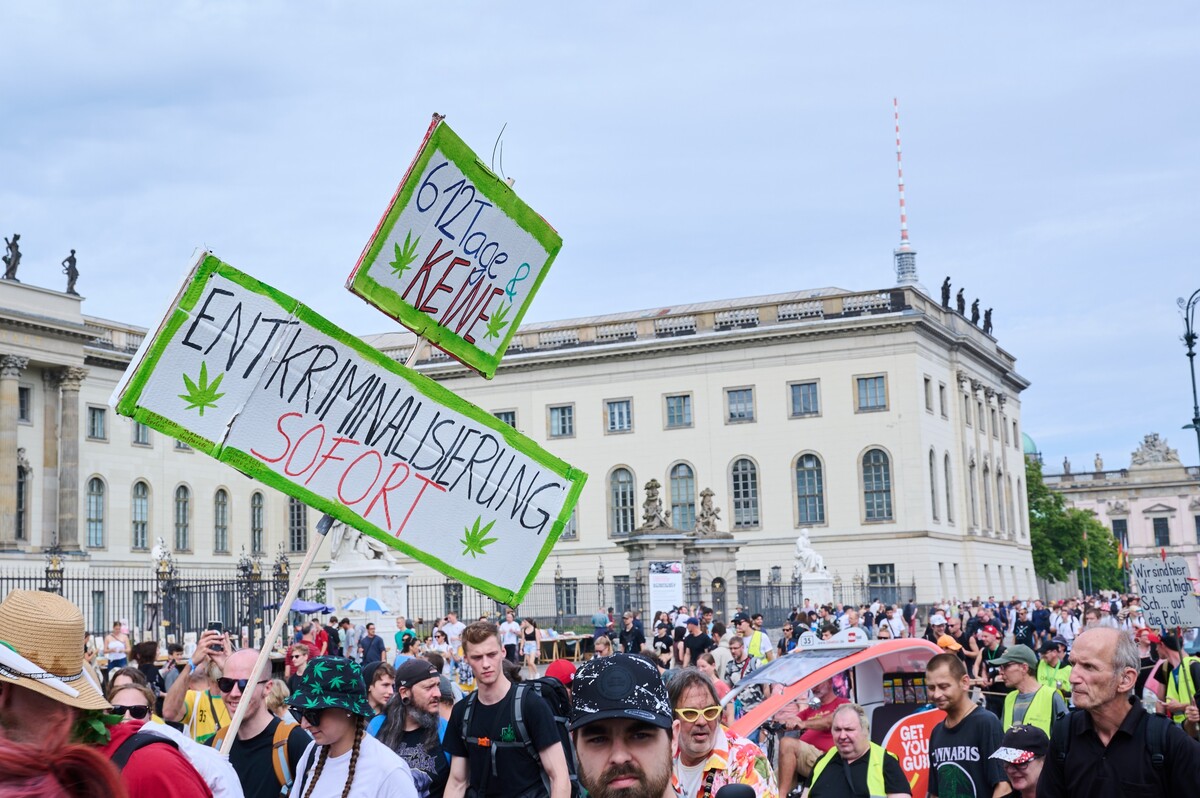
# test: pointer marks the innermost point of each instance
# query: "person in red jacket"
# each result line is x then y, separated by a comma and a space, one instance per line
157, 770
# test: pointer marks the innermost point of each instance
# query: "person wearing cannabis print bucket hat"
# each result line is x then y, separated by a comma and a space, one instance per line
343, 760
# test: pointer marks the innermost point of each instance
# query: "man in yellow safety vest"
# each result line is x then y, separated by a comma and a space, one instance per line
1182, 681
856, 767
1030, 703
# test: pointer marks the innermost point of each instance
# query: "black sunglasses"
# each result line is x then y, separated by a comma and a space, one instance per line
137, 713
313, 716
225, 685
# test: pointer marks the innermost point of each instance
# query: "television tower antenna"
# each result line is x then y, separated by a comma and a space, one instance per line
905, 256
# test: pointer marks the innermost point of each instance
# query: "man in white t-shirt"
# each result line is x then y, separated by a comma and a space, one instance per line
510, 636
453, 629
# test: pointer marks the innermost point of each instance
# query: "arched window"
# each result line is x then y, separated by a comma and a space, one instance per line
810, 490
683, 497
139, 516
974, 496
877, 486
256, 523
297, 525
95, 513
744, 476
949, 489
221, 520
1000, 514
183, 518
622, 502
933, 491
987, 497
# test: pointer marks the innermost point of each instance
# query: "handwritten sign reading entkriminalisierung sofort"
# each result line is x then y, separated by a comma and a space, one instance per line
250, 376
458, 256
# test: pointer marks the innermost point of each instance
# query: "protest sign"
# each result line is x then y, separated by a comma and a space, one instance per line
1168, 597
248, 375
666, 585
908, 739
457, 257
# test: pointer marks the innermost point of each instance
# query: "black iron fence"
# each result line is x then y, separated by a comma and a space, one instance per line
152, 603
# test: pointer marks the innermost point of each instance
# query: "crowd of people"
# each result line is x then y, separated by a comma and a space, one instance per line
1078, 699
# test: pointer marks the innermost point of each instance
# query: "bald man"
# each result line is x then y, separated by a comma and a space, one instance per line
253, 753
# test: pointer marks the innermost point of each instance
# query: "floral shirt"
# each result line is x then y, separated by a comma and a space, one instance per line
734, 760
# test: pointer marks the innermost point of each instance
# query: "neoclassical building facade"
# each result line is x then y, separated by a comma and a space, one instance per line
884, 423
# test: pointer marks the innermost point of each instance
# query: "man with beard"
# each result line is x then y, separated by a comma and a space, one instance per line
412, 727
960, 745
621, 727
262, 737
706, 756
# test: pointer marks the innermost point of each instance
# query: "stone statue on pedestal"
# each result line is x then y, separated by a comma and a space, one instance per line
13, 259
347, 544
706, 521
72, 273
975, 312
807, 560
1099, 462
653, 515
961, 301
946, 293
1154, 450
987, 322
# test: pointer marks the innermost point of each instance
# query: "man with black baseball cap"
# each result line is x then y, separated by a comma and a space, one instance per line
621, 727
413, 727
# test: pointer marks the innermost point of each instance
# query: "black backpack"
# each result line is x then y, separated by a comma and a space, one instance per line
135, 741
546, 689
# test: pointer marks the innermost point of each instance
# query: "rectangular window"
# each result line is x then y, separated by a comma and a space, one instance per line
571, 530
740, 403
929, 394
452, 598
562, 421
140, 598
297, 525
509, 417
806, 399
1004, 426
872, 393
981, 418
141, 434
967, 409
24, 397
1120, 528
679, 411
567, 595
995, 431
1162, 532
942, 398
180, 446
619, 415
1197, 529
881, 575
100, 624
96, 428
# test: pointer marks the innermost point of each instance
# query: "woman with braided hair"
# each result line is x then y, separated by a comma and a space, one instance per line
343, 761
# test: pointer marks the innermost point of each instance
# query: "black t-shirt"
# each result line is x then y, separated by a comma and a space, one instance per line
835, 784
997, 690
959, 764
697, 645
662, 645
335, 645
1023, 632
516, 771
252, 759
632, 640
433, 763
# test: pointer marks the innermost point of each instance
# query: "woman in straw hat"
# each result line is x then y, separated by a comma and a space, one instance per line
343, 760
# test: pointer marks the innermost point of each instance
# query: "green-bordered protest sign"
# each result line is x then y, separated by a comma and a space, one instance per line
250, 376
458, 256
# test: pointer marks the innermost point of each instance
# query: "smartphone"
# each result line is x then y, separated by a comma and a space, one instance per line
215, 626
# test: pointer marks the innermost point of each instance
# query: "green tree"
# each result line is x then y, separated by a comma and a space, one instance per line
1062, 537
1055, 536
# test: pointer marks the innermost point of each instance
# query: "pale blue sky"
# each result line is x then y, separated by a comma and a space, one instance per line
685, 152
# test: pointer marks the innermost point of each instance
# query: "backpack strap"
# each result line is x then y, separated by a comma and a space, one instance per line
279, 747
1060, 738
133, 743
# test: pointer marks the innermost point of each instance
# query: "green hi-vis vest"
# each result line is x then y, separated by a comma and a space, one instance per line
1040, 712
875, 787
1179, 685
756, 647
1049, 675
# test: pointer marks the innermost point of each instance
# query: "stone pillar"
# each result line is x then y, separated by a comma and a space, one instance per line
51, 380
10, 370
68, 464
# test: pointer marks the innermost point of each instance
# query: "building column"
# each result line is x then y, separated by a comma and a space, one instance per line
51, 380
68, 464
10, 370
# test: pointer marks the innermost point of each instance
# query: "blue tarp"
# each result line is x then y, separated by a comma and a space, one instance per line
306, 607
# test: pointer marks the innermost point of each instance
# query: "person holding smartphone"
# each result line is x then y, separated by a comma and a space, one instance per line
194, 700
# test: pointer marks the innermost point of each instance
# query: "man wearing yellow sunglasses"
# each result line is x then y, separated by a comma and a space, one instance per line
706, 756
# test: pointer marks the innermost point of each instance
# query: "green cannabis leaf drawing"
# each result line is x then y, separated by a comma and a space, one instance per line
405, 257
476, 539
497, 322
202, 394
